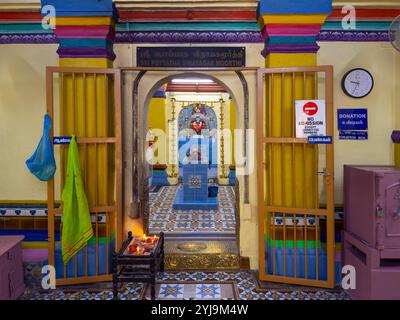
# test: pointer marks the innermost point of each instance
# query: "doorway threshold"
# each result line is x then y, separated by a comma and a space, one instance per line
194, 253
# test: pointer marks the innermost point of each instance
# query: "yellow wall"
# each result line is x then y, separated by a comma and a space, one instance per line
379, 59
22, 106
157, 120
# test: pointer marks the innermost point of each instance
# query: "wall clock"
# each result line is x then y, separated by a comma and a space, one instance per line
357, 83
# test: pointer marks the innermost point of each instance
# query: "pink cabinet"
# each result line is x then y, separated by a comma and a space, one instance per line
371, 239
372, 205
11, 269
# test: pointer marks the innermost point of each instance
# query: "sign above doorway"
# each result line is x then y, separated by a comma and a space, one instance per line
191, 57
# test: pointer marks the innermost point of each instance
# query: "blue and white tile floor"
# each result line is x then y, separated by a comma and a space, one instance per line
241, 285
164, 218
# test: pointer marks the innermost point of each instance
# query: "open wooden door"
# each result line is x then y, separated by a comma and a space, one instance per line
295, 180
87, 102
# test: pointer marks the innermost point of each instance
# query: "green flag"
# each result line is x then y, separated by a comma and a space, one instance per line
76, 222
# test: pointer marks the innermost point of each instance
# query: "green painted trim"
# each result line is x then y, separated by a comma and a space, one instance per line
301, 39
300, 244
23, 28
192, 26
85, 42
360, 25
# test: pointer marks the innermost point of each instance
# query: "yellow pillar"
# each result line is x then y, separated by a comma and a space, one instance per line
86, 100
289, 30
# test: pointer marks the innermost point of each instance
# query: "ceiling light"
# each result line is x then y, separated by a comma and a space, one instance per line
192, 81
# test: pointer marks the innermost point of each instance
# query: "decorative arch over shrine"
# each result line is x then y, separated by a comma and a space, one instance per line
197, 116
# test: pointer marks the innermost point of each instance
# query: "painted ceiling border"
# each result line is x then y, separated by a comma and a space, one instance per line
185, 5
217, 37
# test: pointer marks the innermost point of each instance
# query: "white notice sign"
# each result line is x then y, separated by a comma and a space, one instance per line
310, 118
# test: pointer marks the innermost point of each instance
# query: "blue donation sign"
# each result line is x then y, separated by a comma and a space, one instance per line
320, 140
183, 57
353, 135
352, 119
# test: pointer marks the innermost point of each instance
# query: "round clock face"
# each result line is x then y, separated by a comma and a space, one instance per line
357, 83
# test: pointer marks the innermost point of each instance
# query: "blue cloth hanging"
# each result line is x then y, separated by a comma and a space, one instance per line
42, 163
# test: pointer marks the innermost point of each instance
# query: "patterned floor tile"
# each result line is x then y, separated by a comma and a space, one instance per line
208, 291
182, 216
198, 276
129, 296
300, 295
171, 291
247, 285
206, 216
105, 295
164, 218
82, 295
249, 296
183, 225
190, 285
206, 225
157, 225
274, 295
221, 276
182, 276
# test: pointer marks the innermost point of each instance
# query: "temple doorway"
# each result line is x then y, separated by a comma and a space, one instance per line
192, 187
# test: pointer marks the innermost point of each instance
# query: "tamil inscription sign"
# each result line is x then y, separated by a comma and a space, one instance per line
191, 57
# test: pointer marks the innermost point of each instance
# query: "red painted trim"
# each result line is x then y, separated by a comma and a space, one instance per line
290, 30
186, 15
370, 13
21, 16
201, 15
194, 88
311, 29
83, 31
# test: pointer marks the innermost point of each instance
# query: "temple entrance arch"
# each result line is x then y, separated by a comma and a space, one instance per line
144, 131
145, 85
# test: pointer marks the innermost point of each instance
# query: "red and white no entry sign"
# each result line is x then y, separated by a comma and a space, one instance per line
310, 108
310, 118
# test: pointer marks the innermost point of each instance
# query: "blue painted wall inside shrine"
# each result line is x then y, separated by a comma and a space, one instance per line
197, 124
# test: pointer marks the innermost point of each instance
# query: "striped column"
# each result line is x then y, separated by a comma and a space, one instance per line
85, 31
289, 29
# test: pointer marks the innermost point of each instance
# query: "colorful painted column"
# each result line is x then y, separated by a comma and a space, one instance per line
289, 29
85, 32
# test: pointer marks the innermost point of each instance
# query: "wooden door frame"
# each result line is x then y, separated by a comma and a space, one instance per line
116, 140
263, 208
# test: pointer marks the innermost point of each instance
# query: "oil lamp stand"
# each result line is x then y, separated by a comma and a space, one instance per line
138, 266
